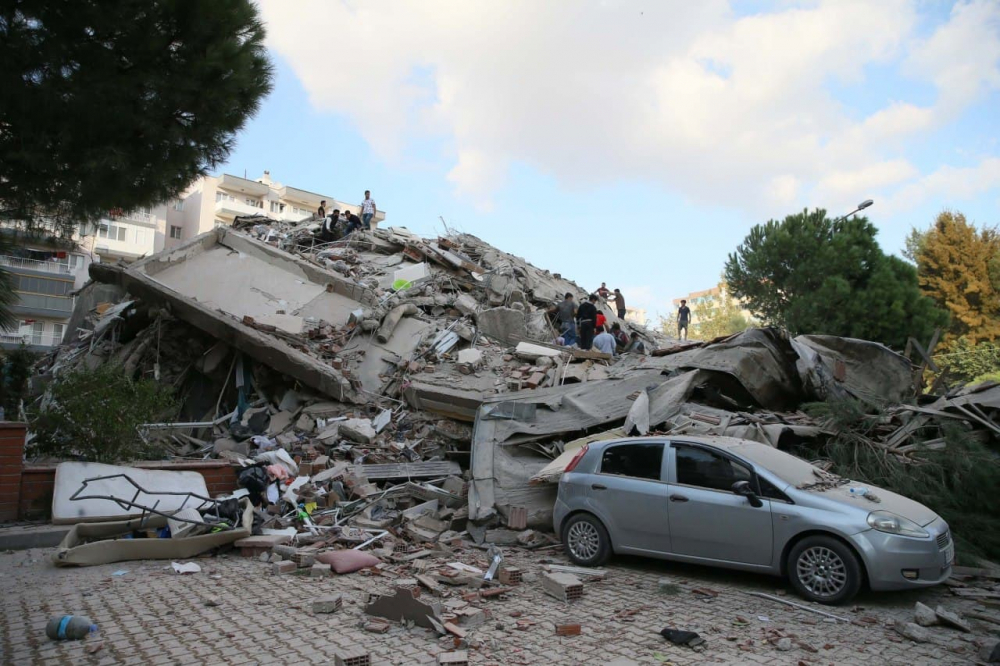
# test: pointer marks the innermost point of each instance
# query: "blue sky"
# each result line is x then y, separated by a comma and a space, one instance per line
634, 145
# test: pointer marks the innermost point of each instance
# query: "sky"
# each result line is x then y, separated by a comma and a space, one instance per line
634, 143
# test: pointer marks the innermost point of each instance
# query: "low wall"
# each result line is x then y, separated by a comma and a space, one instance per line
26, 490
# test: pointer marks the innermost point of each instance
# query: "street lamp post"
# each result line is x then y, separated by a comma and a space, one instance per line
861, 206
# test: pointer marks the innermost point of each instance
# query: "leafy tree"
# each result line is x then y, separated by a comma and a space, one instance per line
120, 103
16, 369
95, 414
811, 274
957, 266
968, 362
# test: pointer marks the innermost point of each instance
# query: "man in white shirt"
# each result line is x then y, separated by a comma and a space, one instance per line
368, 210
605, 342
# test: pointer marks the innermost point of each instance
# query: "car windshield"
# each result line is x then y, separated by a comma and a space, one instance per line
786, 467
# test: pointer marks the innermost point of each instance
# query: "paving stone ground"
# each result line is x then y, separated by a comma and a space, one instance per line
152, 616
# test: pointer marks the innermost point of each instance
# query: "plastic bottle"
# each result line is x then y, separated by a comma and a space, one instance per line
859, 490
69, 627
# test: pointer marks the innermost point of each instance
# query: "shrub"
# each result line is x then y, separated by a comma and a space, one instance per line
95, 414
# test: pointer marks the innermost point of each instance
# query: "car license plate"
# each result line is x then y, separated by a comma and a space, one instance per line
949, 554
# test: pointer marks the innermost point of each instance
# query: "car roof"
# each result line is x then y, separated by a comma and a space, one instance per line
791, 469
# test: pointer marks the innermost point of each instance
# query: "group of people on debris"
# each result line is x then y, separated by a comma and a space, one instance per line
587, 327
342, 223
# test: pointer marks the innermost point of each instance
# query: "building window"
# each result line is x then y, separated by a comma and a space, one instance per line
43, 286
224, 196
175, 232
179, 205
37, 332
277, 207
57, 333
112, 231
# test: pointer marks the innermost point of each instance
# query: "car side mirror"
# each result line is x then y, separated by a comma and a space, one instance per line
743, 488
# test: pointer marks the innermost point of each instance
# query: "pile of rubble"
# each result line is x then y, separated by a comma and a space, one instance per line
397, 391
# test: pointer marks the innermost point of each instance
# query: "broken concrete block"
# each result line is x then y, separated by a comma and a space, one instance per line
354, 657
913, 631
330, 604
472, 617
279, 423
227, 444
466, 304
283, 567
358, 430
305, 424
517, 517
376, 626
953, 620
784, 644
564, 587
459, 658
471, 357
253, 546
402, 605
924, 615
503, 324
320, 571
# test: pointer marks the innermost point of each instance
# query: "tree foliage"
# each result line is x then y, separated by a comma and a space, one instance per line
957, 266
95, 414
810, 274
16, 369
119, 104
970, 363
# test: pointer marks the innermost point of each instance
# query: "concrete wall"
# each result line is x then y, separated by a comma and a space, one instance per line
26, 490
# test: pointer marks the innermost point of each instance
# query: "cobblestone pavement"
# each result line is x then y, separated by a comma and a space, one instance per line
153, 616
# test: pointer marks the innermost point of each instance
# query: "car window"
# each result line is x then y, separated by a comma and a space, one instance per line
639, 460
770, 491
702, 468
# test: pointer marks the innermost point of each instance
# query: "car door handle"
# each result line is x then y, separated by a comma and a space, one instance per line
678, 498
599, 486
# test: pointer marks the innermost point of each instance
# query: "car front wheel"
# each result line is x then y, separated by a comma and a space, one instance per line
824, 570
586, 541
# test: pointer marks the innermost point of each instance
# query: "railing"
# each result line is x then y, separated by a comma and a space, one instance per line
42, 340
35, 265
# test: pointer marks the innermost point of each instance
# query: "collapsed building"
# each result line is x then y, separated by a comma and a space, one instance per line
386, 371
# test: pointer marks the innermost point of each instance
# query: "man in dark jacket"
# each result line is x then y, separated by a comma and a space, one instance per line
586, 318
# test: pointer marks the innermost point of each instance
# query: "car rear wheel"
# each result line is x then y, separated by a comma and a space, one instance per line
586, 541
824, 570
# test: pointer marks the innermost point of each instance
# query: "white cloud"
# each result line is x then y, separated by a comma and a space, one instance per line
681, 93
955, 183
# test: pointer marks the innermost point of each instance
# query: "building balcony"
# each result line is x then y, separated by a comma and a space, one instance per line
33, 342
243, 186
39, 305
230, 209
35, 265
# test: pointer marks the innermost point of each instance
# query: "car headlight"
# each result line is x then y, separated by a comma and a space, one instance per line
886, 521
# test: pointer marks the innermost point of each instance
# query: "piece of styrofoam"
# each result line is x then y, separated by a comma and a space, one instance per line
71, 475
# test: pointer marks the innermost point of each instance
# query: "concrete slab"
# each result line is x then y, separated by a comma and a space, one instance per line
23, 537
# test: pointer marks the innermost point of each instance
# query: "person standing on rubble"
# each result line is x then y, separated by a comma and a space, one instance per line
368, 209
683, 319
605, 342
620, 304
620, 336
586, 318
321, 211
603, 292
566, 319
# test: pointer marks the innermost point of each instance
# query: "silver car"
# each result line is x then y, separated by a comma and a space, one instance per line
740, 504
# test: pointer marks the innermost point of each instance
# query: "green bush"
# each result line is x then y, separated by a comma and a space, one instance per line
968, 363
95, 414
17, 366
960, 483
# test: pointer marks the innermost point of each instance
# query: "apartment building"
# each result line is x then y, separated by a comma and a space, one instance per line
47, 270
706, 301
218, 200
